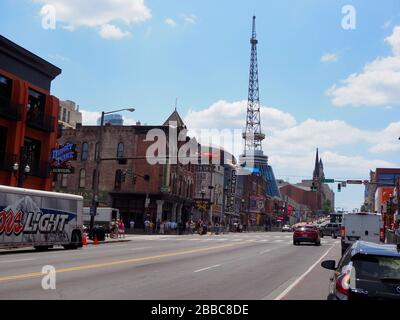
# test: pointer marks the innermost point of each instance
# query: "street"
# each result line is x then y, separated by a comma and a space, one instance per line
246, 266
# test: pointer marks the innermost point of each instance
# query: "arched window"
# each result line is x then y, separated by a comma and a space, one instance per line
120, 150
118, 180
82, 178
85, 151
97, 152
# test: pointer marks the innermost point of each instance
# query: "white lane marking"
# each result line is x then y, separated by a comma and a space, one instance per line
295, 283
208, 268
265, 251
17, 260
277, 241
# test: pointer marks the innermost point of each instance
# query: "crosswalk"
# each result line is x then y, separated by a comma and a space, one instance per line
235, 238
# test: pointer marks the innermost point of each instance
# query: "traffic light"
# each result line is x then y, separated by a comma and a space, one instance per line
339, 187
134, 179
314, 187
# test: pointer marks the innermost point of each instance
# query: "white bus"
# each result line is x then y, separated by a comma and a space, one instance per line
39, 219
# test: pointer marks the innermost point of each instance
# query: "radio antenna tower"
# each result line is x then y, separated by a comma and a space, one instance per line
253, 136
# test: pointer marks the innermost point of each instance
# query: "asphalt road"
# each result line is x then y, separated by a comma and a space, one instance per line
251, 266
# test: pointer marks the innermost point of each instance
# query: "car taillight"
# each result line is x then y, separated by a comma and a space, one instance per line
343, 283
382, 234
342, 232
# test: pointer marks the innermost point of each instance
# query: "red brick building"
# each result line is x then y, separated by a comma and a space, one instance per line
138, 189
28, 117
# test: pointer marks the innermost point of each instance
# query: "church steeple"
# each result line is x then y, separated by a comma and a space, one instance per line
316, 166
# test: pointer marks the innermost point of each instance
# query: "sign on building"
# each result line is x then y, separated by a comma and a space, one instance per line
61, 157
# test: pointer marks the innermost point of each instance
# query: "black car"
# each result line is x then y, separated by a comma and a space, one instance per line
367, 271
330, 229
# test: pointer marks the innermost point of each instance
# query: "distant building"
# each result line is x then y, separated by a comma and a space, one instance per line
112, 119
69, 116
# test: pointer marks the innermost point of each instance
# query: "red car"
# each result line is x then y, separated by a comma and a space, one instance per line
307, 233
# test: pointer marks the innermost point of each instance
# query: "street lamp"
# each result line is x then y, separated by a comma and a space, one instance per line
18, 174
98, 160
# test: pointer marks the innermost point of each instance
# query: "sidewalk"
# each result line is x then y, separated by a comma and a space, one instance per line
110, 240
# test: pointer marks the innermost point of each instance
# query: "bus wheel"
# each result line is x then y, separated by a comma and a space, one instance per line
42, 248
76, 241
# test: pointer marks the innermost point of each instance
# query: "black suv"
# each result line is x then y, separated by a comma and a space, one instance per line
367, 271
330, 229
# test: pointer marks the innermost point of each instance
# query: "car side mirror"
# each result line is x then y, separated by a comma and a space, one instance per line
329, 264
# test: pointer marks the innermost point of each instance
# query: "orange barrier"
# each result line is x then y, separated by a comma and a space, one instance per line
95, 241
84, 240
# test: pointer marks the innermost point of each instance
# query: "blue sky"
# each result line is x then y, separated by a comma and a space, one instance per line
134, 56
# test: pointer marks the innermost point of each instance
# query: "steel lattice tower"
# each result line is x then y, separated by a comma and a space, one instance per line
253, 136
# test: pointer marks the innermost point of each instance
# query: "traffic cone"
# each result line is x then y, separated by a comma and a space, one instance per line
84, 241
95, 241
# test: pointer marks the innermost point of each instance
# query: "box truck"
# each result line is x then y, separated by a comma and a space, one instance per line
39, 219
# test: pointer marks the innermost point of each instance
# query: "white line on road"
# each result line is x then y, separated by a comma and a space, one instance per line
17, 260
208, 268
290, 288
265, 251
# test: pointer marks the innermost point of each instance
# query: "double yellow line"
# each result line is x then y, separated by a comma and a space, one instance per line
117, 262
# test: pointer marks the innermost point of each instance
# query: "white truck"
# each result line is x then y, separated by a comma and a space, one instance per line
103, 217
39, 219
361, 226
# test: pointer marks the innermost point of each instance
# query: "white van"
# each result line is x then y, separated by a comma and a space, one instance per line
103, 217
33, 218
361, 226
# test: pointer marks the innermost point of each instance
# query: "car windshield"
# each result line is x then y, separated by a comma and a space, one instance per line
375, 267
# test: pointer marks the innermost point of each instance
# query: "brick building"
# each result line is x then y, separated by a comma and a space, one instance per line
28, 117
138, 189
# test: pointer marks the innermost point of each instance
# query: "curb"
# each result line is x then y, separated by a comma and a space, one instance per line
108, 242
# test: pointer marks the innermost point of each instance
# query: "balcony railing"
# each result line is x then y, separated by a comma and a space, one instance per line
42, 170
7, 161
10, 111
41, 121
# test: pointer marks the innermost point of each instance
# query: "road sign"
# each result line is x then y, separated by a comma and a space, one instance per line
93, 211
355, 182
344, 184
328, 181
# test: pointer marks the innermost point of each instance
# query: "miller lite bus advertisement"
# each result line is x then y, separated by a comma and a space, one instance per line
23, 221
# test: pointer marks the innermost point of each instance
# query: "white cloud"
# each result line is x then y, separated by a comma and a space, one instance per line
387, 24
100, 15
170, 22
89, 118
291, 145
377, 85
329, 57
189, 18
110, 31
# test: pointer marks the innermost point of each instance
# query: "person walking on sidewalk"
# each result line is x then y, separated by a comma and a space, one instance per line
121, 229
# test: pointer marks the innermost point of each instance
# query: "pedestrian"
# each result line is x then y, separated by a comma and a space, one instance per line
121, 229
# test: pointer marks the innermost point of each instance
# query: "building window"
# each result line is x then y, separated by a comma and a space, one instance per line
82, 178
64, 181
120, 150
60, 113
5, 90
85, 151
64, 115
118, 180
31, 154
97, 152
3, 144
36, 104
69, 117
